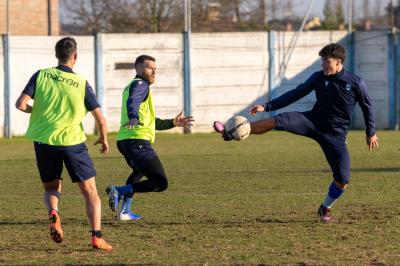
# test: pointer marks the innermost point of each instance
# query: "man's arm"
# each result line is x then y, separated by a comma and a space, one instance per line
90, 98
288, 97
101, 126
178, 121
22, 103
364, 101
138, 91
27, 94
93, 106
163, 124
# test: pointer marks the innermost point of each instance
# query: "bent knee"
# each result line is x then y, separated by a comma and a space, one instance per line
162, 185
342, 184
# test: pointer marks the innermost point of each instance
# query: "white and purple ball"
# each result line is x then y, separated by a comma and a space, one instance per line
237, 128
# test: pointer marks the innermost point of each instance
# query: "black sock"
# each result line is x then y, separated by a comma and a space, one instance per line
97, 233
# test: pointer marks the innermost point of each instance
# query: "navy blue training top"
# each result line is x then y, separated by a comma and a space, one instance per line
138, 92
336, 98
90, 99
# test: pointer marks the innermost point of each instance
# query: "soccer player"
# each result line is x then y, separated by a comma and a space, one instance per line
135, 136
61, 101
337, 91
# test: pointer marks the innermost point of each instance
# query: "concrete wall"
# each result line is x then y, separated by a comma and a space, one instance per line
230, 71
304, 61
124, 48
371, 57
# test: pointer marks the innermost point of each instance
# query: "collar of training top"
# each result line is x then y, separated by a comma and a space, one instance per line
65, 68
140, 77
337, 75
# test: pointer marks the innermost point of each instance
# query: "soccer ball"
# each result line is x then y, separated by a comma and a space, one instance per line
237, 128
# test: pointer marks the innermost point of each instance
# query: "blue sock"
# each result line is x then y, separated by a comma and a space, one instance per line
334, 193
126, 205
123, 190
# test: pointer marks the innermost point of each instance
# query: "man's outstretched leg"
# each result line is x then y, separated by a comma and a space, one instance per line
258, 127
93, 212
262, 126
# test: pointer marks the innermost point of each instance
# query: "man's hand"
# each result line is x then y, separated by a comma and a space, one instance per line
183, 121
101, 125
22, 103
256, 108
132, 122
104, 145
372, 142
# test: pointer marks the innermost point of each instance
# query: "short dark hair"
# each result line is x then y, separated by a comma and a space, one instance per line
140, 59
65, 48
333, 50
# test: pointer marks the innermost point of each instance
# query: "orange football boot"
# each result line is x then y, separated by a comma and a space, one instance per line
101, 244
56, 232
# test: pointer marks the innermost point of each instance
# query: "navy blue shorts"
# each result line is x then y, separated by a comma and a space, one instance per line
333, 146
144, 161
76, 158
137, 152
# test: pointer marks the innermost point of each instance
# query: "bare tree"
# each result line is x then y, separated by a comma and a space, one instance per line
159, 15
330, 21
93, 16
126, 15
89, 14
340, 20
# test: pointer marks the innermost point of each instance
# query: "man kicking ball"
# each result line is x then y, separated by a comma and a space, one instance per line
337, 91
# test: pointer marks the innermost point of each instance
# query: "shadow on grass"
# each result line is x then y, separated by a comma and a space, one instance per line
122, 264
119, 264
14, 222
43, 221
308, 170
211, 222
376, 170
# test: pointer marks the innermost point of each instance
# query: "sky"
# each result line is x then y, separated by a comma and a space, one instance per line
299, 8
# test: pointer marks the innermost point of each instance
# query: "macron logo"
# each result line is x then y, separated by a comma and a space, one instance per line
326, 83
140, 146
140, 82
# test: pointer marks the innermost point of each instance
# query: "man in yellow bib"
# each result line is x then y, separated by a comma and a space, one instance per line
137, 132
61, 101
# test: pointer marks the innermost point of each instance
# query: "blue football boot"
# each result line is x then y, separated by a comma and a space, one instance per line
129, 216
113, 197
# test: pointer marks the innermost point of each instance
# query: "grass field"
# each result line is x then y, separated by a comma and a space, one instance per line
243, 203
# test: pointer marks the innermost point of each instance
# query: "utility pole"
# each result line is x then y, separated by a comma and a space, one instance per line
49, 17
273, 8
392, 24
8, 16
350, 23
187, 86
